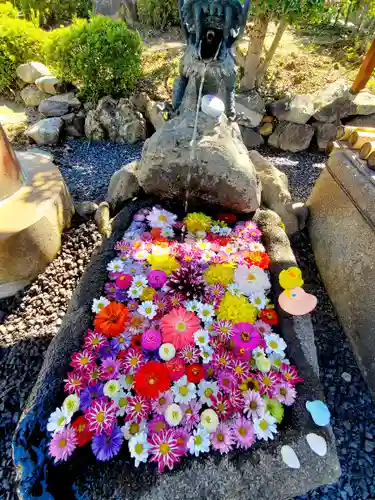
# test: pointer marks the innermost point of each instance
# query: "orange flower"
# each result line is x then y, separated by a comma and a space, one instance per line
157, 237
260, 259
111, 320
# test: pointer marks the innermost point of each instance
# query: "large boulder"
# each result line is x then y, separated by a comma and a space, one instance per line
32, 96
123, 185
48, 84
325, 132
220, 171
292, 137
149, 109
251, 137
362, 121
250, 109
59, 105
30, 71
45, 131
117, 120
298, 109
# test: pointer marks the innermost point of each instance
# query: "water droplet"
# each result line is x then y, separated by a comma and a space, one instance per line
289, 457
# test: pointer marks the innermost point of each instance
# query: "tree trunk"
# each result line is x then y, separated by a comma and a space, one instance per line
262, 70
339, 10
258, 34
349, 12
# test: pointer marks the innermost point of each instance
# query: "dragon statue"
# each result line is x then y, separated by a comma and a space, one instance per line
210, 27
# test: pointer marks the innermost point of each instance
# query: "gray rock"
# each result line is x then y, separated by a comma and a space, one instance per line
74, 124
250, 110
102, 217
117, 120
47, 84
108, 8
251, 137
123, 185
362, 121
275, 191
59, 105
252, 100
68, 119
221, 172
45, 131
298, 109
292, 137
37, 151
86, 208
333, 102
31, 71
325, 132
149, 109
32, 96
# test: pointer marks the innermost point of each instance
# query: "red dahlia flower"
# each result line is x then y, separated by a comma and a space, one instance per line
152, 379
111, 320
80, 425
269, 316
195, 373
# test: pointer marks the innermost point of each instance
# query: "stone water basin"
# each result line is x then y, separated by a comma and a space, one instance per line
257, 473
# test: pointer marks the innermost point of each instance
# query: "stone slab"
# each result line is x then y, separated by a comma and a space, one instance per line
258, 473
342, 233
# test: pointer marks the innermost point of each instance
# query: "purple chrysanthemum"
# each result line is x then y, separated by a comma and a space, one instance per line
243, 432
89, 395
121, 294
188, 281
109, 350
106, 446
222, 439
110, 289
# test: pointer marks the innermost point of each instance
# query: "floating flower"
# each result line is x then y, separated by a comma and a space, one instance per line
267, 382
152, 379
148, 309
165, 449
275, 408
219, 273
137, 409
71, 404
224, 329
275, 344
243, 433
173, 414
263, 328
101, 416
209, 420
110, 369
222, 405
163, 400
115, 266
178, 327
111, 388
251, 279
291, 278
263, 364
94, 340
108, 350
124, 281
151, 340
269, 316
222, 439
89, 395
74, 383
245, 336
192, 305
227, 381
265, 427
257, 258
189, 354
258, 300
80, 425
206, 313
147, 293
112, 319
187, 281
236, 309
132, 361
131, 429
290, 374
121, 398
176, 368
199, 442
254, 406
160, 218
58, 420
157, 278
234, 289
157, 424
207, 389
285, 393
165, 263
195, 373
167, 351
183, 390
197, 221
99, 304
139, 448
107, 445
63, 444
123, 341
201, 338
206, 353
82, 360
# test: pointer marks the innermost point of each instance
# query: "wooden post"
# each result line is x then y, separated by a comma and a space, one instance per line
10, 169
365, 70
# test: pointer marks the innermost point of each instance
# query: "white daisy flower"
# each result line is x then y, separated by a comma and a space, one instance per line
159, 251
234, 289
251, 279
160, 218
202, 338
183, 390
134, 292
126, 382
58, 420
203, 245
193, 305
99, 304
256, 247
167, 351
274, 343
121, 399
130, 429
265, 427
206, 354
141, 255
209, 420
206, 389
115, 266
139, 281
111, 388
206, 313
173, 414
199, 442
148, 309
263, 364
207, 255
258, 299
277, 360
258, 352
139, 448
71, 403
167, 232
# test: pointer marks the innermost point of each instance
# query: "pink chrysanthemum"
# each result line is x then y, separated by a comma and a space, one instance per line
263, 328
157, 424
224, 329
133, 305
110, 368
227, 381
267, 382
137, 409
94, 375
222, 439
122, 246
243, 432
175, 300
240, 369
285, 393
254, 405
63, 444
222, 405
83, 360
159, 405
110, 290
182, 437
189, 354
290, 374
94, 340
165, 449
132, 361
191, 414
214, 293
178, 327
162, 303
75, 383
222, 360
101, 416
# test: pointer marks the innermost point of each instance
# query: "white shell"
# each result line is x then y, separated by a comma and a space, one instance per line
317, 443
289, 457
212, 106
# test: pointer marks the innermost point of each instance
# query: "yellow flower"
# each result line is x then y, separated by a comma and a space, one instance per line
250, 384
164, 263
236, 309
291, 278
148, 293
219, 273
197, 221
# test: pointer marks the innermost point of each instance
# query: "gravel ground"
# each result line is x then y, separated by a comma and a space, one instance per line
32, 319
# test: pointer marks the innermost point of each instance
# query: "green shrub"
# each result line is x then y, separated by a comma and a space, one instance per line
100, 56
158, 13
53, 12
20, 41
8, 10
